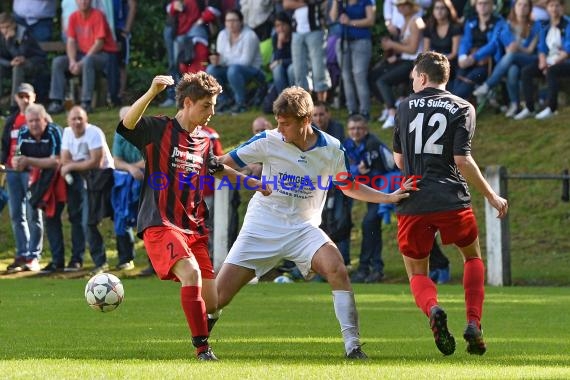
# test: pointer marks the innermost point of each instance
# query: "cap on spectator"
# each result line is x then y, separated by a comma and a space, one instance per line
25, 88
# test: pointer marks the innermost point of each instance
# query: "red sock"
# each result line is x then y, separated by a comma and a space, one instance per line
473, 284
195, 311
424, 291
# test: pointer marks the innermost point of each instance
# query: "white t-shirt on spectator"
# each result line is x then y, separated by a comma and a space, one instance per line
79, 147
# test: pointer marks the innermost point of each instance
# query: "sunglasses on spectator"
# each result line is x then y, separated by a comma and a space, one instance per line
23, 95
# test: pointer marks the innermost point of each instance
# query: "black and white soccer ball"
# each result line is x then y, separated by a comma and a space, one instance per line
104, 292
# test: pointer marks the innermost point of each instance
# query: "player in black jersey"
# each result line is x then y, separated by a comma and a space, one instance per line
432, 140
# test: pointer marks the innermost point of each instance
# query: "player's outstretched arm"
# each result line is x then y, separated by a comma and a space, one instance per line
223, 167
159, 83
365, 193
470, 171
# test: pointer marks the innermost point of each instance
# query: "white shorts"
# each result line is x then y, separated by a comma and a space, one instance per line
261, 250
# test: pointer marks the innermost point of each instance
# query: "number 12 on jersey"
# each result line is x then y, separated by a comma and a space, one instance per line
430, 146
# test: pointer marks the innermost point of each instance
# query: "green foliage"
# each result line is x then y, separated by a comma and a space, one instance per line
274, 331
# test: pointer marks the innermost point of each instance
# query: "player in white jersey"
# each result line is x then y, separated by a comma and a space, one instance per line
299, 163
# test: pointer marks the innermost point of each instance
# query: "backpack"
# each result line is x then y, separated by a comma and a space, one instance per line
336, 217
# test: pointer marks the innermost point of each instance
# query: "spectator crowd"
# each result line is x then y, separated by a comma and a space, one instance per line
255, 49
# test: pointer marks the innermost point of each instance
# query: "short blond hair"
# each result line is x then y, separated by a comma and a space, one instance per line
294, 101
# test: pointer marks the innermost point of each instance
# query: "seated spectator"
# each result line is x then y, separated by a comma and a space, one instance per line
237, 63
20, 54
355, 51
443, 33
187, 29
397, 71
553, 61
90, 47
26, 221
83, 151
322, 119
518, 38
37, 16
281, 62
478, 32
40, 146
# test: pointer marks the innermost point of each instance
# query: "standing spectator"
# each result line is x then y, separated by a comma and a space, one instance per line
355, 51
124, 12
284, 225
308, 45
338, 204
90, 47
26, 221
129, 172
281, 62
368, 157
553, 61
19, 53
187, 31
40, 147
237, 62
444, 164
443, 33
518, 39
257, 14
37, 16
83, 149
477, 32
172, 222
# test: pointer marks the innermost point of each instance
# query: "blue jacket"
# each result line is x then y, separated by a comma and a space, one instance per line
504, 38
125, 200
564, 27
467, 41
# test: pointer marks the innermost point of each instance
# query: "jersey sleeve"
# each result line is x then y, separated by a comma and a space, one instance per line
396, 142
464, 132
251, 151
141, 136
341, 169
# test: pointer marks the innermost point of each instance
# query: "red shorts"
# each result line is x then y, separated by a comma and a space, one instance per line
166, 245
416, 232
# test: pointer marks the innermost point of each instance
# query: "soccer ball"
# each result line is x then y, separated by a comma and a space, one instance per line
104, 292
283, 280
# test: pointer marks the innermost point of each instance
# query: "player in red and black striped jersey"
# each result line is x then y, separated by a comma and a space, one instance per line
179, 163
432, 140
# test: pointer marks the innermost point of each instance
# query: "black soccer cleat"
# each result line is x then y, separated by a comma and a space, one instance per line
207, 355
357, 354
474, 338
444, 341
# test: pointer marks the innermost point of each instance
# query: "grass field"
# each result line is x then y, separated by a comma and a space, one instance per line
274, 331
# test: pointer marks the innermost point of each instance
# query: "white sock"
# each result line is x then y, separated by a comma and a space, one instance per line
345, 310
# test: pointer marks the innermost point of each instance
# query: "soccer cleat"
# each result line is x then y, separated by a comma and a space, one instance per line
208, 354
444, 341
474, 338
357, 353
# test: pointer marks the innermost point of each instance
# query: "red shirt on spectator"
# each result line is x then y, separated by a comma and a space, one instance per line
89, 29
